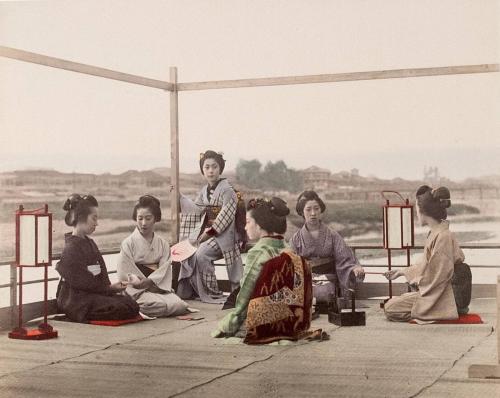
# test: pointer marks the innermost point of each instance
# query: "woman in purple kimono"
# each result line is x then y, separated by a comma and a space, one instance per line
85, 292
209, 223
324, 248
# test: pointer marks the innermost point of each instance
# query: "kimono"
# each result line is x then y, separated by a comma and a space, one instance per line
136, 255
329, 244
433, 275
275, 297
83, 293
215, 207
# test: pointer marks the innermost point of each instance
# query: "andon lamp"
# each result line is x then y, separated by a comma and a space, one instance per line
398, 229
33, 249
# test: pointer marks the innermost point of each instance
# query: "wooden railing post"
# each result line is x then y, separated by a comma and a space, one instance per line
490, 371
174, 155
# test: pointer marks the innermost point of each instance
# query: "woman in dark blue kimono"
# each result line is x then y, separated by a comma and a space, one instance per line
85, 292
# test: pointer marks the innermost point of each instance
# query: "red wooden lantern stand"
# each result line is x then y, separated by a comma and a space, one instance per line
398, 231
33, 249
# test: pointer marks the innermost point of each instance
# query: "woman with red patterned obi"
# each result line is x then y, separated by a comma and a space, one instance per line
275, 295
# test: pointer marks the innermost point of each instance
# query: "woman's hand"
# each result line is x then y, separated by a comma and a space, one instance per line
393, 274
204, 236
139, 283
118, 287
359, 272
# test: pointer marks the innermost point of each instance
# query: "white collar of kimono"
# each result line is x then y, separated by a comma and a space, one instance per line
138, 234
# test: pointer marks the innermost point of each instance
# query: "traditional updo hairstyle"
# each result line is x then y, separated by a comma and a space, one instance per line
433, 202
270, 215
212, 155
305, 197
78, 208
148, 202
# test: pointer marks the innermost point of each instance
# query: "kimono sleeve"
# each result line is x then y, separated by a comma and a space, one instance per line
190, 207
440, 266
294, 243
125, 261
232, 321
162, 277
75, 273
345, 261
228, 212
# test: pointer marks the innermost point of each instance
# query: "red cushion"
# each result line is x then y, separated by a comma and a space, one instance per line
120, 322
462, 319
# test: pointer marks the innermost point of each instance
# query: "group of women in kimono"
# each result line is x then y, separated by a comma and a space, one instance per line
273, 292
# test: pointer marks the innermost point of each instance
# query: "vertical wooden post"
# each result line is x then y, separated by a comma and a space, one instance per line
490, 371
174, 155
13, 294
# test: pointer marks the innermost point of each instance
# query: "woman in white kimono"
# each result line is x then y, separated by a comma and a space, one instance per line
433, 274
144, 262
209, 223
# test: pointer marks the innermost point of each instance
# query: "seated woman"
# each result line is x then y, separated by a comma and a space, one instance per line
209, 222
275, 295
433, 274
144, 262
85, 292
321, 245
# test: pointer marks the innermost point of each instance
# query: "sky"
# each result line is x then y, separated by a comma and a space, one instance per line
388, 128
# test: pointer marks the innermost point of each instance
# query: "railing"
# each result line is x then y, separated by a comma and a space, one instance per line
7, 313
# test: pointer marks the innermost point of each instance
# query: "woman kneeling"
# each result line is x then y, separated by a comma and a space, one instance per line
85, 292
144, 263
275, 296
433, 274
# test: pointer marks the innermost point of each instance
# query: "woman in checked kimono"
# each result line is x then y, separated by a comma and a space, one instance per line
144, 262
209, 222
433, 274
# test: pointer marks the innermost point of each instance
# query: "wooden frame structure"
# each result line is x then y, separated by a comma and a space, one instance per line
173, 86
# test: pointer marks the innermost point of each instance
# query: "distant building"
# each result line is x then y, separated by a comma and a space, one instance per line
316, 178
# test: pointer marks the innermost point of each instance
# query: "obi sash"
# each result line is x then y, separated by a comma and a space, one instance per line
212, 213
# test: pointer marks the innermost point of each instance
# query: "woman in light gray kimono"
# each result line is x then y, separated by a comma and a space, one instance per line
209, 222
433, 274
144, 262
325, 249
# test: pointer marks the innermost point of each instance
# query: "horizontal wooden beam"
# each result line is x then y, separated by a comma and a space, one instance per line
59, 63
339, 77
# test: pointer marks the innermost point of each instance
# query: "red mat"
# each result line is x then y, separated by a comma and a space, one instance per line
462, 319
138, 318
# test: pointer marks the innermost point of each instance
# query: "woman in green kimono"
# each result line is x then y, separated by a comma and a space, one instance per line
433, 274
275, 295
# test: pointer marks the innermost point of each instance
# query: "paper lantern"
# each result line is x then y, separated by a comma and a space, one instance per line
398, 225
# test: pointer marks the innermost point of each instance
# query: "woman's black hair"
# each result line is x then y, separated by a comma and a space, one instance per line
212, 155
433, 202
270, 214
148, 202
305, 197
78, 208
